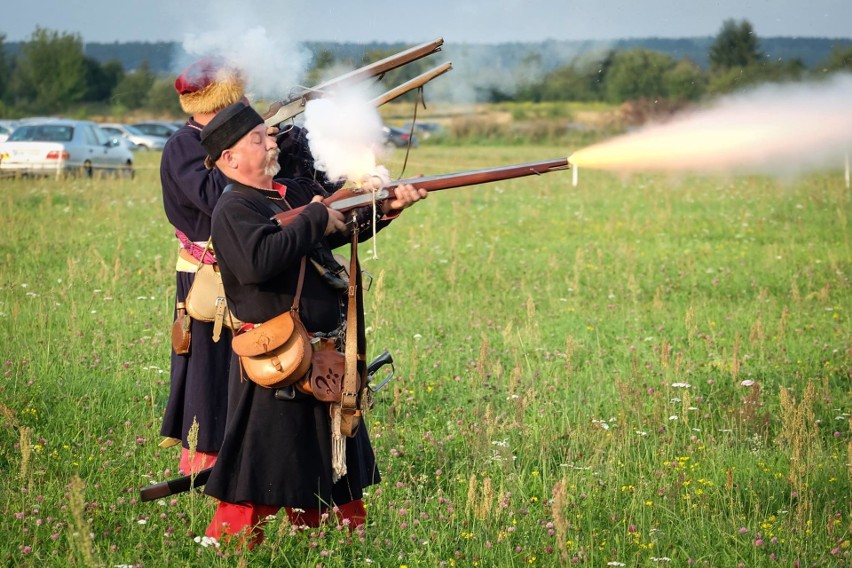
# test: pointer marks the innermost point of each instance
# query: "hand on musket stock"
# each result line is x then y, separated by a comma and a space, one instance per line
405, 195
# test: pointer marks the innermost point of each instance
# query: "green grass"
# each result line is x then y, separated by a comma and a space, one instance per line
543, 337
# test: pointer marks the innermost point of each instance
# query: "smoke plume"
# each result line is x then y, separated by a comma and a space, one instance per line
345, 133
271, 62
774, 129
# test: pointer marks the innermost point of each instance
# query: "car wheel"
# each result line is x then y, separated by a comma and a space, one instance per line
143, 147
87, 169
127, 170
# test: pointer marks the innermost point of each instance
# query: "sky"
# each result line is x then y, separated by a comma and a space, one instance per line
457, 21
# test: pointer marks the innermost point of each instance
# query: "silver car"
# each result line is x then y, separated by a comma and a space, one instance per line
57, 146
141, 140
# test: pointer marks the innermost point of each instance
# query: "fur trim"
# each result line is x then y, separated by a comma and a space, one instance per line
214, 97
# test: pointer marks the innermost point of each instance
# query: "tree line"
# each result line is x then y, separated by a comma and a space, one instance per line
735, 57
51, 73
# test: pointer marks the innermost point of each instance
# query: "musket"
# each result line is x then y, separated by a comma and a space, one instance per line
346, 199
412, 84
185, 483
280, 111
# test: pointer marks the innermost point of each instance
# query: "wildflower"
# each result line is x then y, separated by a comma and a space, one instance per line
747, 383
207, 541
681, 385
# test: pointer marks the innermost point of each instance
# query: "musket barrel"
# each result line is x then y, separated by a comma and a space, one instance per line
280, 111
412, 84
475, 177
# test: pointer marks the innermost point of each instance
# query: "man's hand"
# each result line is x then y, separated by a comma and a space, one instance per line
335, 219
405, 196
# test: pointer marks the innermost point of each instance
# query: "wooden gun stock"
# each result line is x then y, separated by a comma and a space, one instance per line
348, 199
280, 111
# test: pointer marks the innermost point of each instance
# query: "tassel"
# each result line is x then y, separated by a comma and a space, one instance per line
338, 445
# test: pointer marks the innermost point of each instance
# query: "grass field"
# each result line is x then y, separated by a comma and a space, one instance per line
632, 372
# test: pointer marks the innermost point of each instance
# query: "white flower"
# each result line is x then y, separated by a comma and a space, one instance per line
673, 417
614, 563
747, 383
207, 541
142, 522
681, 385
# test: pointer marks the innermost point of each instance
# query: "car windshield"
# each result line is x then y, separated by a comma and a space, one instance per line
42, 133
133, 130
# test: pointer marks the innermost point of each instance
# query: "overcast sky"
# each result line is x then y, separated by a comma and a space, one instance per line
470, 21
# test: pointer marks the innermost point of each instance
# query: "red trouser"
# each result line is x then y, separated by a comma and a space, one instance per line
201, 460
233, 518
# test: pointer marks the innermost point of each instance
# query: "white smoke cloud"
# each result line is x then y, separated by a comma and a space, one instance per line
774, 129
271, 61
345, 133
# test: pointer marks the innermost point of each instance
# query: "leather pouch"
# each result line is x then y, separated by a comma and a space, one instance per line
328, 365
181, 334
276, 353
206, 301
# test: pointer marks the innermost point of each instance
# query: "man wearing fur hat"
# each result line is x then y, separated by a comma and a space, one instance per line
199, 374
278, 449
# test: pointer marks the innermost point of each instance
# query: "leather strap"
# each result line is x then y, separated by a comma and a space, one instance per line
299, 285
351, 415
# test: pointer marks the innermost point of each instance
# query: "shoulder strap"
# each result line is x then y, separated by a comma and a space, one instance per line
299, 285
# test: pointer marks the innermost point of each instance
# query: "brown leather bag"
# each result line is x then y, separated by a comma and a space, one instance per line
277, 352
206, 301
328, 365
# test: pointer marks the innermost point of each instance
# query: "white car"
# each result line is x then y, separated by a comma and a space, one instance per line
140, 139
6, 128
58, 146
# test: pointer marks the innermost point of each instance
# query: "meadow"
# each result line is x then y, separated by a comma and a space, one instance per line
633, 372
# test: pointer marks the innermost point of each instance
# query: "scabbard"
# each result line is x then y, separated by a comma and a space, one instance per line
175, 486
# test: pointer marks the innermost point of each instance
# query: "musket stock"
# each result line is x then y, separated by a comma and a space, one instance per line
347, 199
280, 111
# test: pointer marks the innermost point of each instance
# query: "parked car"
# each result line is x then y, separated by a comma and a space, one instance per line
424, 129
155, 128
59, 146
6, 128
399, 138
142, 141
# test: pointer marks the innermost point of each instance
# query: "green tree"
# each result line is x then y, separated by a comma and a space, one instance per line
685, 81
637, 74
102, 79
50, 72
132, 90
323, 61
840, 59
4, 69
736, 45
162, 99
